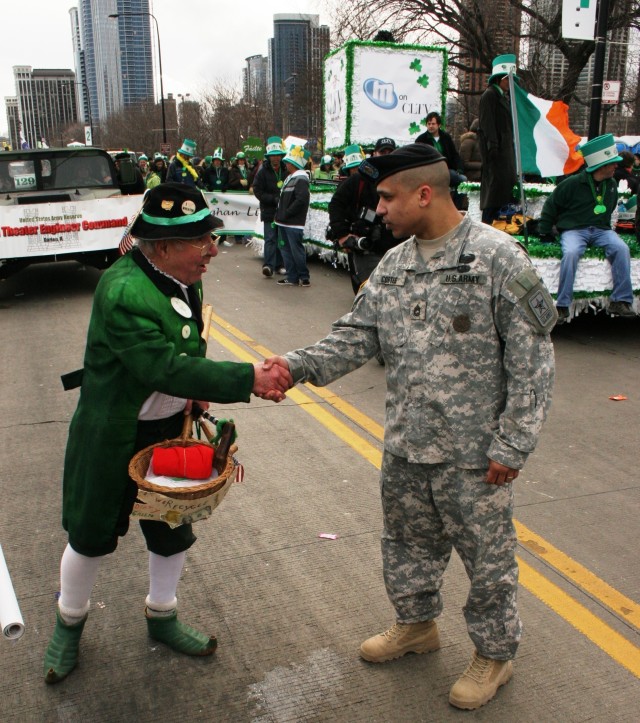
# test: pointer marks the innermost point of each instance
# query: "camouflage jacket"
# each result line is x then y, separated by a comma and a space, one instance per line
465, 339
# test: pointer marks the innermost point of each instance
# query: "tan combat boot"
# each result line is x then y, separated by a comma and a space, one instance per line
400, 640
480, 682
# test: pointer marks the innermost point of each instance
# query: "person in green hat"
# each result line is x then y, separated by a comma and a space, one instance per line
291, 217
495, 134
239, 173
324, 171
181, 168
580, 208
267, 185
216, 176
144, 364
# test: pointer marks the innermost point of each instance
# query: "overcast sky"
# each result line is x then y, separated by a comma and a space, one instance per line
201, 40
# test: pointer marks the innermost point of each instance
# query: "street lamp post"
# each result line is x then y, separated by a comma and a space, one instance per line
151, 15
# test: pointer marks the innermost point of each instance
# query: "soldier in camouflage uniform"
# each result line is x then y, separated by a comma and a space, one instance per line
462, 321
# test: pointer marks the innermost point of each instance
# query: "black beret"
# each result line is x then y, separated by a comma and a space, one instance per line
412, 156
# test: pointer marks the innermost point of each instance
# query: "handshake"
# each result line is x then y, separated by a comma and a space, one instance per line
272, 379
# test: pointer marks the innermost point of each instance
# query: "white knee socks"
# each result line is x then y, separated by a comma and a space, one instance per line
164, 575
77, 577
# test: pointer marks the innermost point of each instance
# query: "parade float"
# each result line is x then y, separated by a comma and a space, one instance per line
386, 89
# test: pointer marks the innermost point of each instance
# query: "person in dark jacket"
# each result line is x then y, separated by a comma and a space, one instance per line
470, 152
216, 176
291, 217
239, 174
354, 198
181, 168
144, 364
266, 188
496, 141
443, 143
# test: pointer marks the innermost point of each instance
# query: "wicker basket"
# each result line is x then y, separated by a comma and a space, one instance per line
140, 462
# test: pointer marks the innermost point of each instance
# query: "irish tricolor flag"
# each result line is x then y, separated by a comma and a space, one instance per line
547, 144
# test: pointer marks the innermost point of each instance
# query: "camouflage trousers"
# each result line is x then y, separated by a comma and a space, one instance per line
427, 511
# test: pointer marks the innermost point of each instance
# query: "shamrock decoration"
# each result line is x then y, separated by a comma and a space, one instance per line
414, 128
423, 80
416, 65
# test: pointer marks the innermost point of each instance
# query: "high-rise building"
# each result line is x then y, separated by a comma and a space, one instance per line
115, 54
255, 77
81, 88
45, 103
296, 53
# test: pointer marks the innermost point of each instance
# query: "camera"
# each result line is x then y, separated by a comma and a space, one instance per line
355, 243
366, 231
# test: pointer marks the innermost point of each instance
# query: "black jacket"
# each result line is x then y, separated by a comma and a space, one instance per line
266, 189
216, 179
448, 148
354, 193
496, 148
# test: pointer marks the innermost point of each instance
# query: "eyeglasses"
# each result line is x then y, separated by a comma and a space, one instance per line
205, 247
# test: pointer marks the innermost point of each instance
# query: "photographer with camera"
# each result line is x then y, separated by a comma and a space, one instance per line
354, 226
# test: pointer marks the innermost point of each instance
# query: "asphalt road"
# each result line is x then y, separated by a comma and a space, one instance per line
290, 608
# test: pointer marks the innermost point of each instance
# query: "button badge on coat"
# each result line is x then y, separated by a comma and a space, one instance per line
181, 307
186, 331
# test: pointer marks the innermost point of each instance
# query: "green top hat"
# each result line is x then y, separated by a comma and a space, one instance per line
599, 151
502, 65
218, 153
275, 146
297, 156
188, 148
353, 156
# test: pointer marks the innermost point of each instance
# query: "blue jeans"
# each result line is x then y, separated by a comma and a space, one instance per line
574, 244
272, 255
294, 254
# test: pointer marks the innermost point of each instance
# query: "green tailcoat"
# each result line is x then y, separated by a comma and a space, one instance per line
137, 344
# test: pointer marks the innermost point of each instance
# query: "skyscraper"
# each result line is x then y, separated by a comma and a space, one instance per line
255, 79
115, 54
45, 103
296, 53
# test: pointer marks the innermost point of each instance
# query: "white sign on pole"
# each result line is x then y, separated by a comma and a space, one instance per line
579, 19
88, 139
611, 92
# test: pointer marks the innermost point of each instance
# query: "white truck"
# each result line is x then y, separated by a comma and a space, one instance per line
60, 204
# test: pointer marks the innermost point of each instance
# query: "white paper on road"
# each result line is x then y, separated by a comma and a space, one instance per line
10, 618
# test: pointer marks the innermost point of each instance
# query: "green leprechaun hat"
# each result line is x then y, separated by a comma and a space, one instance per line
599, 151
501, 66
297, 156
275, 146
353, 156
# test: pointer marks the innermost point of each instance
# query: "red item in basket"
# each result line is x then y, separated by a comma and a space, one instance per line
192, 462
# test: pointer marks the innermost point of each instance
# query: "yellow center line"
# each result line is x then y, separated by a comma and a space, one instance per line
624, 607
605, 637
355, 415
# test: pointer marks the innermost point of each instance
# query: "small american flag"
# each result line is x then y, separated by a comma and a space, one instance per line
126, 242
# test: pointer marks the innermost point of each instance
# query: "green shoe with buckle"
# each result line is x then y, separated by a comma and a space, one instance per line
61, 656
179, 636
